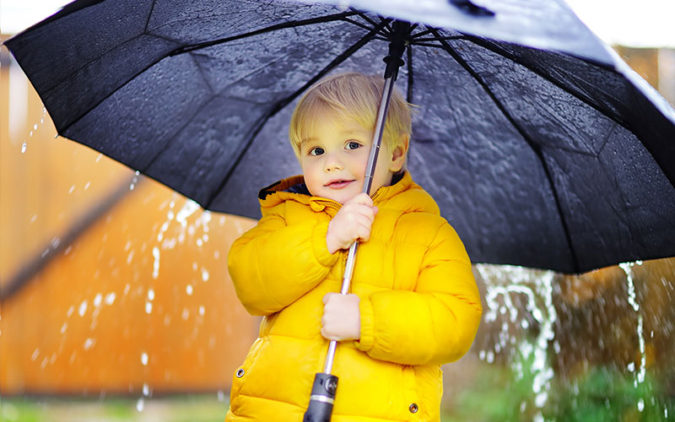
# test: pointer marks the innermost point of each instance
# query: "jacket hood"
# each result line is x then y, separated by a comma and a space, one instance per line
404, 195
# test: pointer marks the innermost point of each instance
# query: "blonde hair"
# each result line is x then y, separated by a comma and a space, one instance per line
352, 96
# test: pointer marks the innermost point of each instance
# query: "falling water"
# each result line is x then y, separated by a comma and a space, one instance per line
134, 180
155, 264
504, 284
632, 300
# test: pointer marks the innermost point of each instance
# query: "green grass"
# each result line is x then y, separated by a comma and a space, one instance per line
189, 408
496, 395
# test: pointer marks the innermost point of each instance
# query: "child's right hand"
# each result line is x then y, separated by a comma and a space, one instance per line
351, 223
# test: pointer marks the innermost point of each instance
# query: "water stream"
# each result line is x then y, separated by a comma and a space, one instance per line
521, 329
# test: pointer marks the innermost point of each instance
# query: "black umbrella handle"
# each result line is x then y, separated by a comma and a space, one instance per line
324, 389
321, 401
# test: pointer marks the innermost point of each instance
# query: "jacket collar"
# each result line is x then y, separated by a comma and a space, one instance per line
294, 188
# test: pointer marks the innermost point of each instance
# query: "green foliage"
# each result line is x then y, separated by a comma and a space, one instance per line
501, 394
605, 394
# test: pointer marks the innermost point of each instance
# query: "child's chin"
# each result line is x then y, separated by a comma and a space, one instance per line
342, 197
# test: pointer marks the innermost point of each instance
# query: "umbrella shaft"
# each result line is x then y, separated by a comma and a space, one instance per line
377, 136
346, 281
370, 170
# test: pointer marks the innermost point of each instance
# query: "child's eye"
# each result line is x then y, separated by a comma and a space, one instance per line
316, 151
353, 145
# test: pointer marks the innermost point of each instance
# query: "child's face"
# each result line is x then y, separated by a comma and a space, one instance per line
334, 155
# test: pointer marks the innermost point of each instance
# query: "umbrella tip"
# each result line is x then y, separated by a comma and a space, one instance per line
467, 6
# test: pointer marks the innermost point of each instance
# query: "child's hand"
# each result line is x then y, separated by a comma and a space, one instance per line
341, 317
351, 223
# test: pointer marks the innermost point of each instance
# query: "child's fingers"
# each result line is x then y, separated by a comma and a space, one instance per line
340, 319
359, 227
361, 210
363, 232
362, 199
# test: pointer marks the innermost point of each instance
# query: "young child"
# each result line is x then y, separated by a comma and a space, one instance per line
413, 305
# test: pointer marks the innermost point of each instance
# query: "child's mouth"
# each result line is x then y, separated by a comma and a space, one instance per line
338, 184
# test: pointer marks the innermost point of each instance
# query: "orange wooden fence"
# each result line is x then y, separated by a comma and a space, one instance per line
105, 288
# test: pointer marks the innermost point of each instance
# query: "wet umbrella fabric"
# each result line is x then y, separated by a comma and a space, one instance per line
543, 149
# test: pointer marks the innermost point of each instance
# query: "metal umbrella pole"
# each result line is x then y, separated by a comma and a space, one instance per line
324, 388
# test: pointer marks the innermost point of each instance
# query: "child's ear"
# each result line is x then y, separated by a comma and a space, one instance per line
398, 155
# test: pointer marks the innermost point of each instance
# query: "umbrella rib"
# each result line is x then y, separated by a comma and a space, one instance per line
384, 33
449, 38
535, 148
283, 25
359, 24
147, 21
176, 51
584, 99
62, 130
424, 44
421, 34
285, 101
409, 93
169, 141
367, 19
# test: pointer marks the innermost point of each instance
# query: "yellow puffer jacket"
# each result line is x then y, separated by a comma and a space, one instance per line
419, 307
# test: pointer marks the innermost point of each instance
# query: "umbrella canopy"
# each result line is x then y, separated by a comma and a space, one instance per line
542, 148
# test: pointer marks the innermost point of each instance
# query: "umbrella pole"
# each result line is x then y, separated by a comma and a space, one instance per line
324, 388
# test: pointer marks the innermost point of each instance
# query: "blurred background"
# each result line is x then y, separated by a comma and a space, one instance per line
115, 302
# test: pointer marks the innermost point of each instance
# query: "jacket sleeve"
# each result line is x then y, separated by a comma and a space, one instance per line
274, 264
434, 324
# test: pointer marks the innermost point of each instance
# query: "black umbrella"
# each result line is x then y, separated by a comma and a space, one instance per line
542, 148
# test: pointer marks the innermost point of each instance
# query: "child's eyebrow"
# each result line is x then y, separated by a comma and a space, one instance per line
308, 140
346, 133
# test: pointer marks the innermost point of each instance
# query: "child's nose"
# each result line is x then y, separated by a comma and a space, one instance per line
332, 164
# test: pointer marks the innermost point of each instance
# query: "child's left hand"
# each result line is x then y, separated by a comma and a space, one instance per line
341, 317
